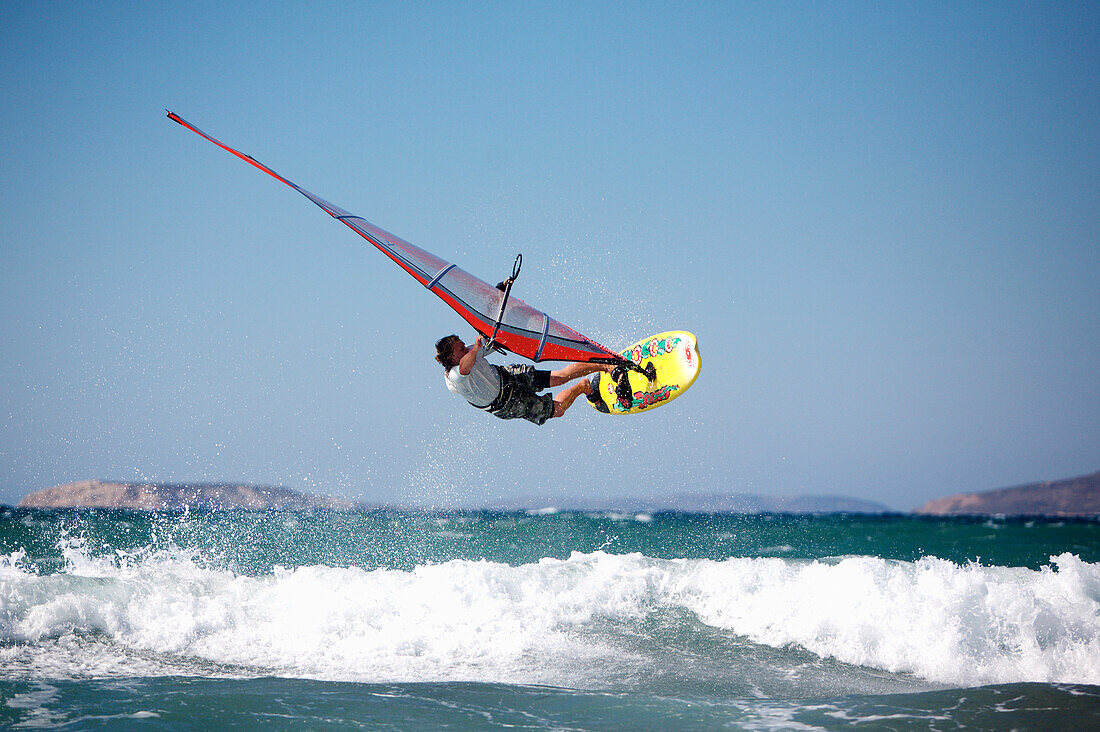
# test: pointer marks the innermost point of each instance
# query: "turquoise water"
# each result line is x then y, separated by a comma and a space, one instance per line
474, 620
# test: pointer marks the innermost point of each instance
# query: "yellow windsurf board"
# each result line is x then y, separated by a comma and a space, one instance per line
675, 356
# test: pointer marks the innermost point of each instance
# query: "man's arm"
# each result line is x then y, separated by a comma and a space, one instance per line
466, 363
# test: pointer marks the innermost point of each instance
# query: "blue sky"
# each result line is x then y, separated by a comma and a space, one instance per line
882, 220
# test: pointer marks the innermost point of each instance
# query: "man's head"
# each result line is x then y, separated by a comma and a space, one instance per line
449, 350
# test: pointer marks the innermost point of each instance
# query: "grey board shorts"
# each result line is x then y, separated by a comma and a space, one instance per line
519, 387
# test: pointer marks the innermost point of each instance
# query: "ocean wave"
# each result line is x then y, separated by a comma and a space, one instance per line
959, 624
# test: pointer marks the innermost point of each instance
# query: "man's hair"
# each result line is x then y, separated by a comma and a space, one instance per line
443, 351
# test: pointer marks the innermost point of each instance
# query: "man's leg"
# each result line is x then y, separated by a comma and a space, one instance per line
565, 398
576, 370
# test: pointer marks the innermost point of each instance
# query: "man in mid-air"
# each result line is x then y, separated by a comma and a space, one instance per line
510, 392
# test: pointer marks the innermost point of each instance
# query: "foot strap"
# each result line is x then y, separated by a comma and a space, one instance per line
621, 377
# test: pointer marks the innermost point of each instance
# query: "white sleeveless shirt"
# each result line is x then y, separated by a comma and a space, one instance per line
481, 386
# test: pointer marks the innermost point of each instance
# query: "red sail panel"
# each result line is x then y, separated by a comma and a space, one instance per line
523, 329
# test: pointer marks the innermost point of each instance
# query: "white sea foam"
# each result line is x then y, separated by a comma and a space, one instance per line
538, 623
954, 624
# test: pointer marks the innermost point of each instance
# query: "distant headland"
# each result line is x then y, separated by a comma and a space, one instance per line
1072, 497
222, 496
703, 503
177, 497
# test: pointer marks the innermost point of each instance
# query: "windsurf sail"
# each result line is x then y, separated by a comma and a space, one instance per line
522, 329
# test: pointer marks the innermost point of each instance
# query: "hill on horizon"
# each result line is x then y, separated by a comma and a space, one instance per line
1078, 496
702, 503
177, 497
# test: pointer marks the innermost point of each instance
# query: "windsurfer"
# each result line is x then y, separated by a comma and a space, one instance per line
512, 391
514, 387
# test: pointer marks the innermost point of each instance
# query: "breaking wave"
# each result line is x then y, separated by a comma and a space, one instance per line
165, 611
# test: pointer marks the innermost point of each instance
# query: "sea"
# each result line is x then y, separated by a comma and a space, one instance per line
546, 620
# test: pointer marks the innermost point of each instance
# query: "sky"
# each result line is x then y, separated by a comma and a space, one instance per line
881, 221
